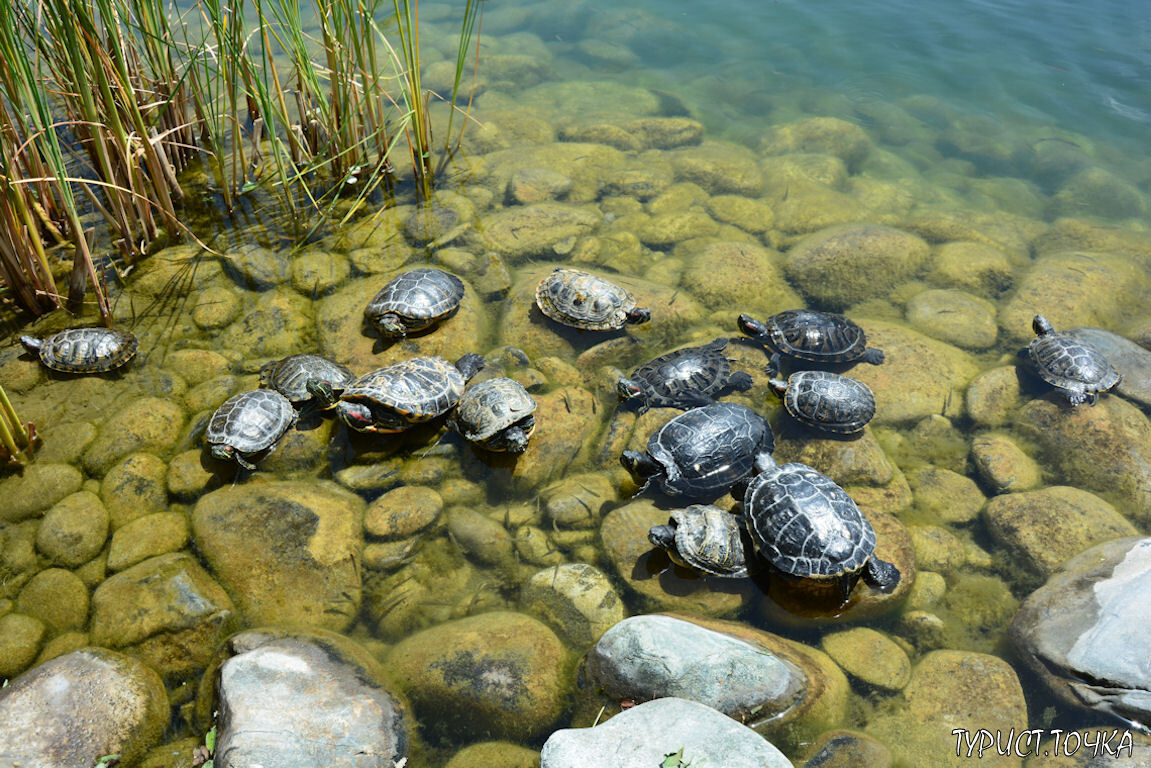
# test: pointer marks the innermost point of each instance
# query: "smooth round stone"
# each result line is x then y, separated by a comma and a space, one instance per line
481, 538
133, 488
647, 734
536, 548
216, 307
37, 488
535, 185
955, 317
869, 656
56, 597
946, 496
402, 512
210, 394
729, 274
149, 424
936, 548
576, 599
1132, 361
993, 396
63, 443
275, 323
62, 644
196, 366
20, 638
255, 267
388, 555
505, 754
860, 461
977, 267
1003, 465
318, 273
929, 589
73, 531
190, 475
147, 536
847, 749
576, 501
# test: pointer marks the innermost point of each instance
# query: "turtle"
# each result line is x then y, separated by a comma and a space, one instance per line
496, 414
685, 378
701, 453
406, 393
704, 538
1077, 370
249, 423
810, 335
84, 350
305, 377
583, 300
808, 528
826, 401
414, 300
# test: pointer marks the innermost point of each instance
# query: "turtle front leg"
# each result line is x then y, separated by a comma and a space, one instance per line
243, 462
1078, 398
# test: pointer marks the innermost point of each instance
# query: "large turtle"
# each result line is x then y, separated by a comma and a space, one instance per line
807, 527
1076, 369
807, 334
583, 300
84, 350
406, 393
826, 401
496, 414
305, 377
704, 538
685, 378
415, 300
703, 452
247, 424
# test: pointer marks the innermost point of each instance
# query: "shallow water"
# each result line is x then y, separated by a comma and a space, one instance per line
978, 121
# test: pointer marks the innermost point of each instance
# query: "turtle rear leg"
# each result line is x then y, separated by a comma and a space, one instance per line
740, 381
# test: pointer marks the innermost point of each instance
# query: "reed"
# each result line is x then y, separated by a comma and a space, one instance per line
18, 439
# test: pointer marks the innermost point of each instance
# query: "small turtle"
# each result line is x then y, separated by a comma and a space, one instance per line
582, 300
406, 393
249, 423
806, 334
826, 401
415, 300
685, 378
496, 414
84, 350
307, 377
1076, 369
807, 527
704, 538
703, 452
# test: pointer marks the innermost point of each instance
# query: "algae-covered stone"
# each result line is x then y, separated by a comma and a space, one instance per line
954, 316
480, 537
216, 306
289, 551
946, 496
277, 322
575, 598
192, 473
166, 610
565, 421
73, 531
719, 167
1003, 464
537, 185
739, 275
750, 215
186, 265
36, 489
402, 512
56, 597
978, 268
666, 229
318, 273
502, 753
936, 548
149, 424
847, 462
1046, 527
847, 749
870, 656
824, 135
993, 396
520, 233
135, 487
20, 639
1098, 192
146, 537
845, 265
666, 132
255, 267
577, 501
497, 674
114, 705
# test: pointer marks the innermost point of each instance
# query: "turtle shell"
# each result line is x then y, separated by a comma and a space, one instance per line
583, 300
417, 299
488, 408
251, 421
828, 401
704, 451
1070, 364
805, 525
708, 539
403, 394
84, 350
821, 337
685, 377
291, 375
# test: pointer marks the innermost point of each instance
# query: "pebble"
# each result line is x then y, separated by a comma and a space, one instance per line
869, 656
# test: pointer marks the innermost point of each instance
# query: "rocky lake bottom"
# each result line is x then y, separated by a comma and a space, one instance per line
423, 599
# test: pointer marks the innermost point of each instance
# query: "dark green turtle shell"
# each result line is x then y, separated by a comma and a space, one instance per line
251, 421
291, 375
828, 401
704, 538
819, 337
805, 525
583, 300
84, 350
406, 393
684, 378
418, 299
1068, 363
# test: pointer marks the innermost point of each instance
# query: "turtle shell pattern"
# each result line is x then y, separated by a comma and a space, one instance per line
829, 401
709, 539
669, 378
251, 421
706, 450
805, 525
582, 300
822, 337
87, 350
417, 390
291, 375
1068, 363
489, 407
418, 297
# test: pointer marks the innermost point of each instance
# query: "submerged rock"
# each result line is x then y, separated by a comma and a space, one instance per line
36, 489
823, 135
575, 598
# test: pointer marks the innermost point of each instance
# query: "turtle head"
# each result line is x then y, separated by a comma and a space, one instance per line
389, 324
628, 389
641, 465
752, 327
322, 392
516, 439
31, 343
1042, 326
222, 452
356, 415
662, 536
637, 315
778, 386
470, 364
881, 575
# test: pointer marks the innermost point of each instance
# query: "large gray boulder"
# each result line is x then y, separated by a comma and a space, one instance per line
1085, 631
643, 736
